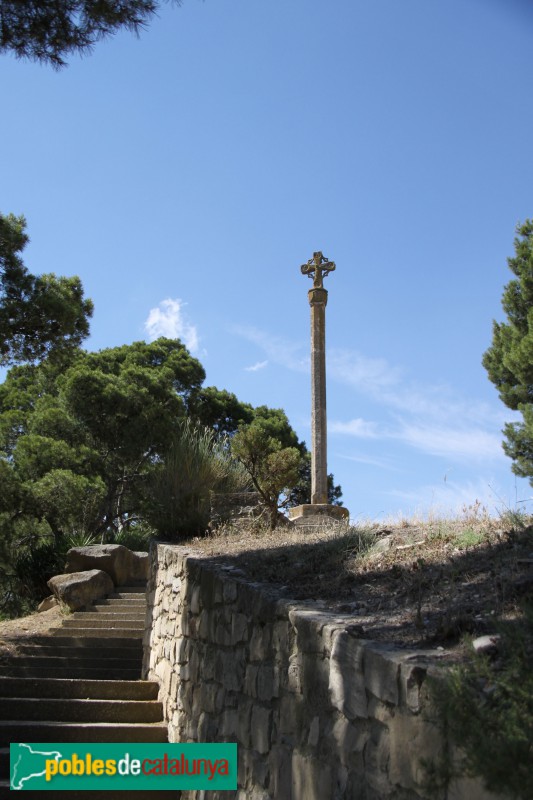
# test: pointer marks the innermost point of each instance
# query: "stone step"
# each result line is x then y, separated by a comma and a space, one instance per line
88, 661
89, 673
39, 650
117, 607
85, 621
70, 687
115, 794
80, 710
36, 731
105, 616
94, 642
130, 589
131, 602
133, 586
99, 633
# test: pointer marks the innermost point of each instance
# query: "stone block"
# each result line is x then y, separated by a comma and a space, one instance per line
315, 671
207, 728
260, 729
314, 732
230, 669
47, 604
194, 598
114, 559
250, 680
229, 727
412, 740
381, 671
349, 741
311, 779
376, 760
207, 587
412, 678
78, 589
280, 764
346, 680
229, 591
281, 640
308, 625
268, 682
207, 665
244, 713
260, 642
294, 675
239, 628
140, 566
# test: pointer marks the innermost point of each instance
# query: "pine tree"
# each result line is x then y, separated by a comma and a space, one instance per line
49, 30
509, 361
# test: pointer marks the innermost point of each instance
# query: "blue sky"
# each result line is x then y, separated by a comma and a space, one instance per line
185, 176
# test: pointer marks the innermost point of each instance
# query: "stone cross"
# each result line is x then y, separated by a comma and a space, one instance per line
318, 268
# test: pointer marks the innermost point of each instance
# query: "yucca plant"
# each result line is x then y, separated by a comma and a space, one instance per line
179, 488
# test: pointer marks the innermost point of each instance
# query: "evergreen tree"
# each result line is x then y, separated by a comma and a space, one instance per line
41, 314
509, 361
49, 30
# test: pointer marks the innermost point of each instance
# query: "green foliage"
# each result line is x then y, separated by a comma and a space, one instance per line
509, 360
79, 443
273, 468
468, 538
178, 489
39, 315
219, 410
486, 709
48, 31
135, 537
301, 493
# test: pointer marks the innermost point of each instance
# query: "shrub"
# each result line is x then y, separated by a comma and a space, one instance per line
178, 489
486, 710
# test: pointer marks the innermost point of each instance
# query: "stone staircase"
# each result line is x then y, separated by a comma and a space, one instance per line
82, 683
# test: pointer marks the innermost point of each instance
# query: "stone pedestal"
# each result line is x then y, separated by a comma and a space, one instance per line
318, 512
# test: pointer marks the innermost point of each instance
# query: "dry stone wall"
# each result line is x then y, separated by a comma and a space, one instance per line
318, 713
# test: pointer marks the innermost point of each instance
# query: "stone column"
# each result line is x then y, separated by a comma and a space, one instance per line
318, 268
318, 299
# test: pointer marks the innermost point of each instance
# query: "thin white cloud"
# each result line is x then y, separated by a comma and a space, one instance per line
369, 375
278, 350
381, 463
168, 320
256, 367
355, 427
434, 419
452, 442
450, 498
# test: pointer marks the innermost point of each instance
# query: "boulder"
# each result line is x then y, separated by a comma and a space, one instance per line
47, 603
78, 589
487, 644
120, 563
140, 566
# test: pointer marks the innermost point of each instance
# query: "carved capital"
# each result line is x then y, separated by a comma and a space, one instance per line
317, 297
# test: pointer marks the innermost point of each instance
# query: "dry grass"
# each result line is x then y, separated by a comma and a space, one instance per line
412, 581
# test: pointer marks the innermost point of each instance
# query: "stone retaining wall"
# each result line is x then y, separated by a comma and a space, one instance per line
318, 713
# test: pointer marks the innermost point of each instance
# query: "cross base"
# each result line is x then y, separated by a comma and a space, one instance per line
317, 512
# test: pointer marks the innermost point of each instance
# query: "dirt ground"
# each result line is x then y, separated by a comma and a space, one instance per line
17, 630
